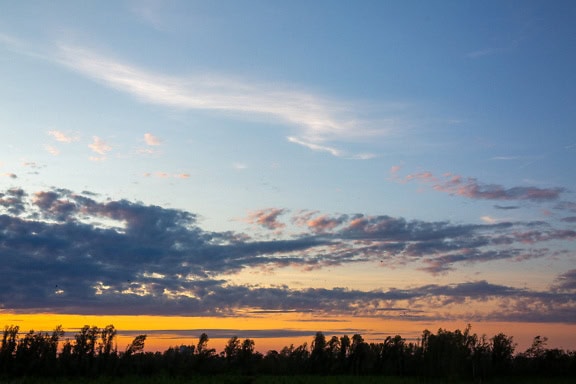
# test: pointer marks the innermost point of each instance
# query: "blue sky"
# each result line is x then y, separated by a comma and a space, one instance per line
327, 152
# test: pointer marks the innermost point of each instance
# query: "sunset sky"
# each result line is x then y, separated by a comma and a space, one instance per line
270, 169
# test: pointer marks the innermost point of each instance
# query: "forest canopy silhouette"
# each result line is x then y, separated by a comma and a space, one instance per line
94, 352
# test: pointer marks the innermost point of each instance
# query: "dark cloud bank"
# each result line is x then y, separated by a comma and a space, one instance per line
70, 253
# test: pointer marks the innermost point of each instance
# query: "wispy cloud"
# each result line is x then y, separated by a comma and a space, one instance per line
483, 52
315, 147
471, 188
165, 175
318, 119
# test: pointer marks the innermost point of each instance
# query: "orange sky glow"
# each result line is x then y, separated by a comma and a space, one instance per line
169, 331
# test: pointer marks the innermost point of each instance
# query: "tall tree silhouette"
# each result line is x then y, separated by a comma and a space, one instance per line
8, 347
502, 353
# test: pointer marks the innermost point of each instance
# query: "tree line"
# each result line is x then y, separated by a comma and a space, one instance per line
444, 354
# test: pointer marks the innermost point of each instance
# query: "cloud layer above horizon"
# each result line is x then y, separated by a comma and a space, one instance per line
65, 252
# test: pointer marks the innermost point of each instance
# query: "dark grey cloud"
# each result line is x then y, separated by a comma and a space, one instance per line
13, 200
506, 207
179, 334
567, 281
567, 206
70, 253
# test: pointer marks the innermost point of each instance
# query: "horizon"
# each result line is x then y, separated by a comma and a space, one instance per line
278, 167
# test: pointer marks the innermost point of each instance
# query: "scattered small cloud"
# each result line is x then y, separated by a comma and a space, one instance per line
489, 219
166, 175
99, 146
267, 218
63, 137
152, 140
10, 175
239, 166
31, 164
52, 150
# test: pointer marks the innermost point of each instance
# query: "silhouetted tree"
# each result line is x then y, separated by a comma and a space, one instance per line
333, 352
232, 350
445, 355
8, 348
204, 355
392, 355
318, 354
502, 348
344, 353
359, 351
136, 346
36, 352
107, 336
247, 357
84, 350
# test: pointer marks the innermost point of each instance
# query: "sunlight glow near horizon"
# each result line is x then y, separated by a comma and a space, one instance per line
164, 332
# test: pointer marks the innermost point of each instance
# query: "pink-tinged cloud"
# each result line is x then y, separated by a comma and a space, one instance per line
395, 169
62, 137
99, 146
267, 218
166, 175
324, 223
52, 150
152, 140
471, 188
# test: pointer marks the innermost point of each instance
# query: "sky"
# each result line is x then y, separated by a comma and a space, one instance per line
270, 169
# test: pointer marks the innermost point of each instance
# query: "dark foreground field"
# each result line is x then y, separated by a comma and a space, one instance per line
300, 379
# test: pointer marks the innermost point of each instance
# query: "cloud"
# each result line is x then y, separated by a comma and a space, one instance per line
316, 147
318, 119
506, 207
166, 175
567, 281
52, 150
152, 140
482, 52
489, 219
66, 252
13, 200
239, 166
471, 188
62, 137
99, 146
267, 218
568, 206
